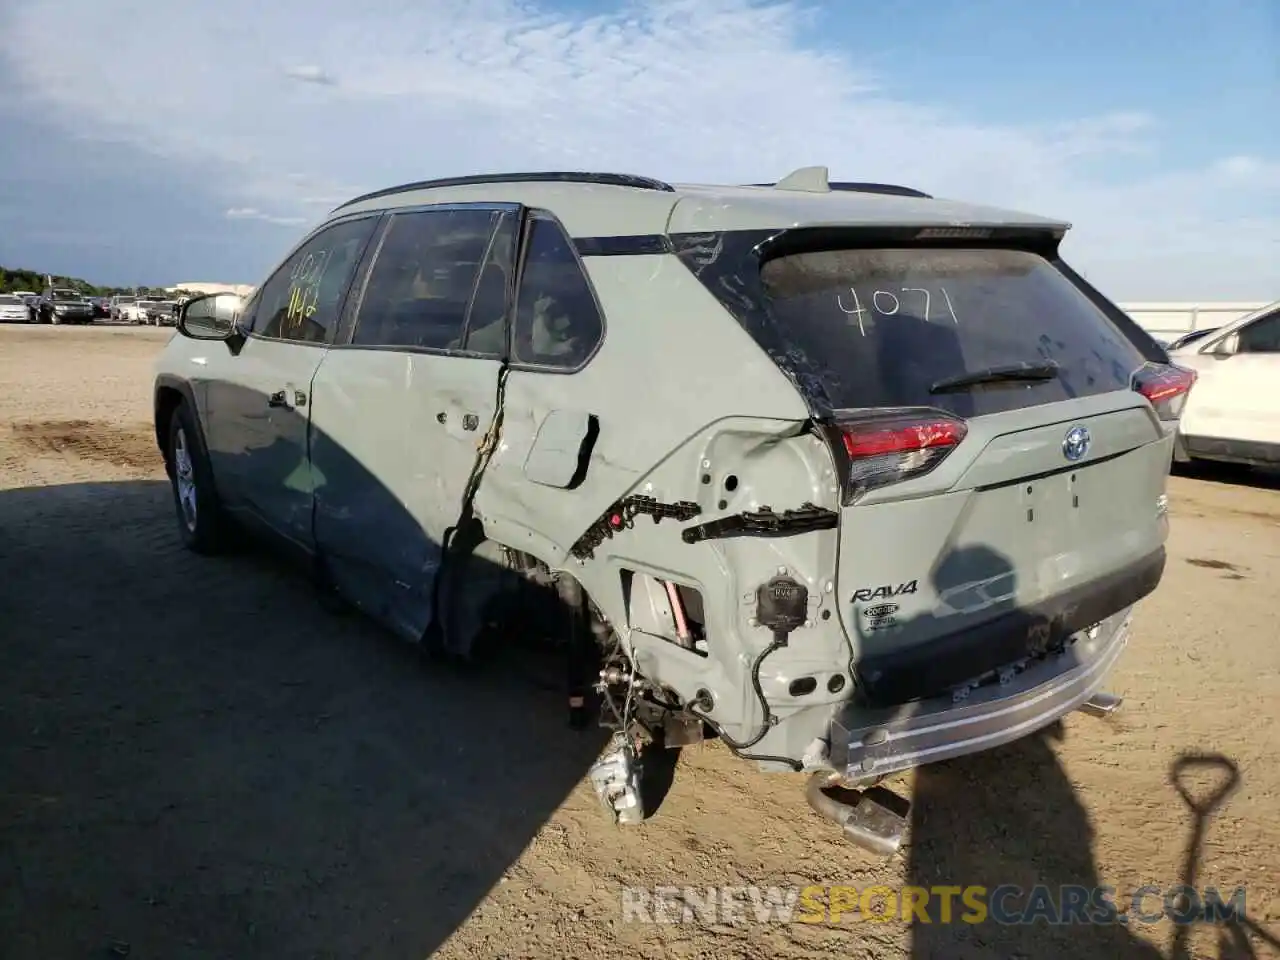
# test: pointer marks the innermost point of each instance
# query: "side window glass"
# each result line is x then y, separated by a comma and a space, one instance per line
300, 302
421, 283
557, 321
1261, 336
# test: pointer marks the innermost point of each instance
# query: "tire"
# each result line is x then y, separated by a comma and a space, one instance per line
201, 522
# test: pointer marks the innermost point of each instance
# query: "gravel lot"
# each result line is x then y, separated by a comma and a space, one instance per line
198, 760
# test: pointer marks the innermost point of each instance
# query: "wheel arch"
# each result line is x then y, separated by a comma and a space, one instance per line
170, 393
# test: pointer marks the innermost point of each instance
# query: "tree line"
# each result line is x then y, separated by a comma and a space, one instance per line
17, 278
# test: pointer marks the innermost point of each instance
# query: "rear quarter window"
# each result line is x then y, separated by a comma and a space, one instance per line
558, 323
882, 326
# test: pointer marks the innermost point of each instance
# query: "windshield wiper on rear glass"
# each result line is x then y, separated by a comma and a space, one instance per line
1026, 372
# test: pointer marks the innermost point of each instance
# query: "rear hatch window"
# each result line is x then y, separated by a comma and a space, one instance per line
908, 327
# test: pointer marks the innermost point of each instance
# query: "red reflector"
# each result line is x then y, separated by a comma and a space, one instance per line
901, 436
1169, 382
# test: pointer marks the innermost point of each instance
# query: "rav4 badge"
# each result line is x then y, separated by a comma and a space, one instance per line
882, 593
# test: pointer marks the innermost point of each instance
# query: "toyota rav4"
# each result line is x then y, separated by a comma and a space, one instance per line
853, 478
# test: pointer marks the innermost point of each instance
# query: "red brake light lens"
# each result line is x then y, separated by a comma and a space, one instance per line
876, 439
882, 451
1166, 387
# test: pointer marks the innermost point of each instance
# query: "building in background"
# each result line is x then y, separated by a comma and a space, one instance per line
193, 286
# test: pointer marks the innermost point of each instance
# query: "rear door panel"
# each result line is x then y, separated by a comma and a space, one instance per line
394, 439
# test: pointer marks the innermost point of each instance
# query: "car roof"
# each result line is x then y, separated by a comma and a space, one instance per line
603, 204
1226, 329
1248, 317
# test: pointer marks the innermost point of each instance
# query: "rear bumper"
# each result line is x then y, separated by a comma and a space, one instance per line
872, 743
1254, 453
934, 668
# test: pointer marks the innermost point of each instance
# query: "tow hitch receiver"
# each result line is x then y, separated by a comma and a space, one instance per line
1101, 704
865, 821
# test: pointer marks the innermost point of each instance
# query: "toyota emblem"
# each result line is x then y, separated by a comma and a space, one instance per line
1076, 443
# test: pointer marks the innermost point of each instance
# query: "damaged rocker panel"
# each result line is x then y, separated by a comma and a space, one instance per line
764, 523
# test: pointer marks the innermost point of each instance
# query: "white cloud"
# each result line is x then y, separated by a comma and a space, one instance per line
253, 213
1250, 170
311, 74
680, 89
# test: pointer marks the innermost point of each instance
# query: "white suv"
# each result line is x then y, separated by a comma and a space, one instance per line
1233, 415
856, 478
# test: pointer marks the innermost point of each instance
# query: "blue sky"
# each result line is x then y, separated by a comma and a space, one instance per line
1151, 126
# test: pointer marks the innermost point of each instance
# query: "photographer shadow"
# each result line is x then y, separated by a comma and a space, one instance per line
1005, 817
1009, 817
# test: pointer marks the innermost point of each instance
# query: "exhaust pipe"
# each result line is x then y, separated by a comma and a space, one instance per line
1101, 704
867, 824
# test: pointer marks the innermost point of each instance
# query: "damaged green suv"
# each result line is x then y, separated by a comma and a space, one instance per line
853, 478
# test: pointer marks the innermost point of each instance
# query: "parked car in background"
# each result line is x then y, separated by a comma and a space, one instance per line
101, 309
64, 305
136, 310
166, 313
126, 309
1233, 414
157, 312
14, 309
32, 300
921, 533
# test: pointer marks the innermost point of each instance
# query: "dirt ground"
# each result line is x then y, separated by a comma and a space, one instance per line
198, 760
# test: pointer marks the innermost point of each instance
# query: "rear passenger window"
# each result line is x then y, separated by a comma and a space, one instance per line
421, 282
300, 301
558, 323
1261, 336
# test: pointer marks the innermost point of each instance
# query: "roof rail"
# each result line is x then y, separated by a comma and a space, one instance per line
602, 179
891, 189
806, 180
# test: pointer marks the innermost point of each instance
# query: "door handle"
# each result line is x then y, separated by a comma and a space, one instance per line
276, 399
469, 420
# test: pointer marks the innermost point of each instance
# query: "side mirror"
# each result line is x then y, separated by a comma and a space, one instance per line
210, 317
1226, 346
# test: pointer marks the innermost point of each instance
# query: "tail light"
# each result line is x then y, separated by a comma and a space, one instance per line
1166, 387
885, 450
